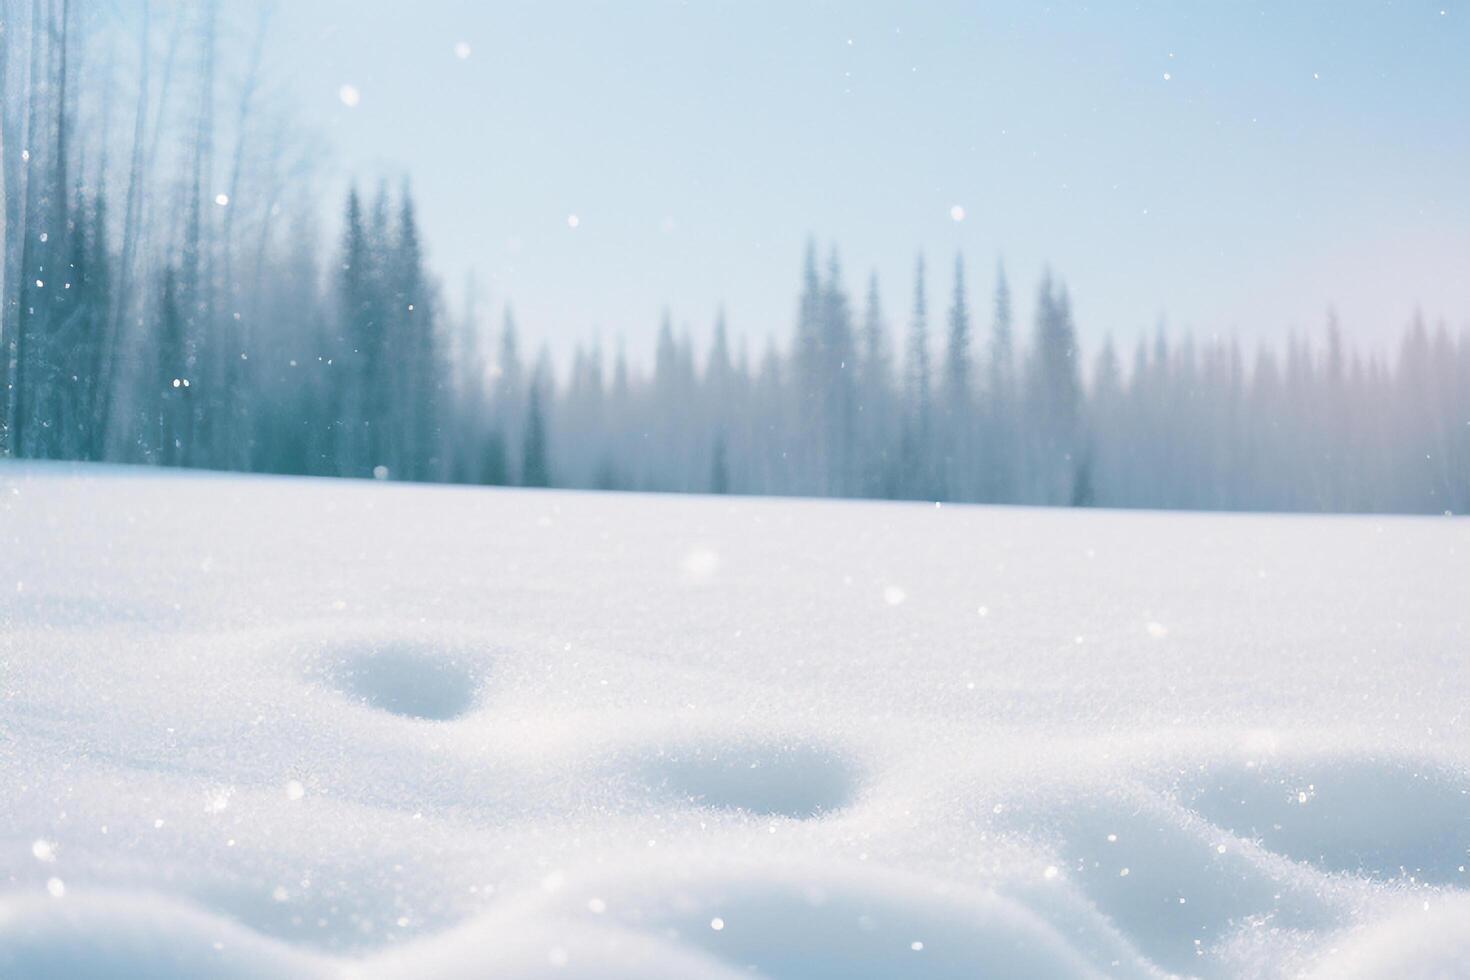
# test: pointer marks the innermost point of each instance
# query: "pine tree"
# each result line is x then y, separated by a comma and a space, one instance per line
837, 380
957, 355
361, 405
875, 402
417, 370
916, 450
508, 397
719, 401
719, 477
1001, 420
809, 466
719, 373
918, 351
1105, 420
494, 466
1054, 397
534, 467
960, 464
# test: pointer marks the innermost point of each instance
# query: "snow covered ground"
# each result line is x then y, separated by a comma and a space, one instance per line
269, 727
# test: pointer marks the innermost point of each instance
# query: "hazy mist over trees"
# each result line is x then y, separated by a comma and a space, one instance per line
166, 299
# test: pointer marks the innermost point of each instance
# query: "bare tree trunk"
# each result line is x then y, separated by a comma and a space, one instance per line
242, 121
7, 29
122, 292
20, 379
268, 211
175, 36
61, 209
198, 274
44, 388
147, 216
237, 409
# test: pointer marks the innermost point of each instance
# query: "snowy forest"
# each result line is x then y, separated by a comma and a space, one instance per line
169, 299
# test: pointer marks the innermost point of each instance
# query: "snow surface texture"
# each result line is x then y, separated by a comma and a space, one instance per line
264, 727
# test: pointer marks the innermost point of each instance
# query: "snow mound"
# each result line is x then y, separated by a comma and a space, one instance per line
1384, 818
789, 919
382, 731
91, 937
1429, 942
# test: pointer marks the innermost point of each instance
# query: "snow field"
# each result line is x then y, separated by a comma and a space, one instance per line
258, 727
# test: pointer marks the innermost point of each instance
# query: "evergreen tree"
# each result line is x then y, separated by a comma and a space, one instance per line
172, 380
916, 450
719, 372
1104, 455
534, 468
719, 477
360, 352
1000, 443
809, 467
1053, 402
875, 402
495, 467
508, 397
719, 400
838, 394
957, 354
413, 353
960, 464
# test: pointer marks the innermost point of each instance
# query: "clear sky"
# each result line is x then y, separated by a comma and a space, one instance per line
1230, 166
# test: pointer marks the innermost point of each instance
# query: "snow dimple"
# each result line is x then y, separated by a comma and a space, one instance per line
407, 680
797, 781
1395, 818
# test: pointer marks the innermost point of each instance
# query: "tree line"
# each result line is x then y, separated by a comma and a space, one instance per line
977, 408
164, 300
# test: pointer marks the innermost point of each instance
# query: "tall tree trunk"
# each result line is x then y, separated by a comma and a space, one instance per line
24, 322
7, 30
199, 278
122, 292
242, 123
150, 160
50, 433
236, 367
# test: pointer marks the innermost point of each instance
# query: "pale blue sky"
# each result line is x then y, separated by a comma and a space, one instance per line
1231, 166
